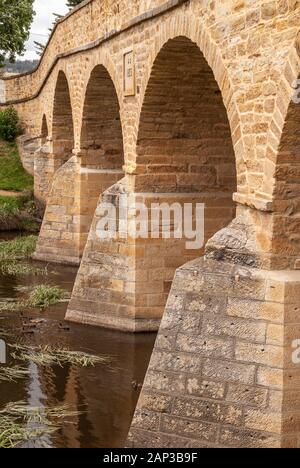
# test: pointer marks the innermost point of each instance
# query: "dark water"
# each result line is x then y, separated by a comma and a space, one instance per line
104, 395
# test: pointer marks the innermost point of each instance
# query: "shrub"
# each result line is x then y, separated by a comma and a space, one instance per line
9, 124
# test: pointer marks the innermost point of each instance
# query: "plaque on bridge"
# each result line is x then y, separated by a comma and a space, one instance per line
129, 74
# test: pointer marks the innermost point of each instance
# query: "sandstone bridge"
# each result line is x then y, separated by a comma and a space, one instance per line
180, 100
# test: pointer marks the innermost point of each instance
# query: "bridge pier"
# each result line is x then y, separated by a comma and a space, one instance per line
225, 367
69, 212
124, 281
45, 167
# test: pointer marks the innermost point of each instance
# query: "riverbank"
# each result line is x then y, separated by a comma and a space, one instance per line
17, 208
47, 371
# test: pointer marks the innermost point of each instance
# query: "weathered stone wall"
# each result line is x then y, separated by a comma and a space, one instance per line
27, 149
221, 374
212, 114
123, 283
256, 92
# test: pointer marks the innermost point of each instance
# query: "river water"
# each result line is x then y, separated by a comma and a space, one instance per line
105, 396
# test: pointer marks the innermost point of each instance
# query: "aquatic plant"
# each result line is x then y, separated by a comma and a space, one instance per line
15, 420
50, 355
10, 306
12, 374
12, 433
45, 296
13, 268
38, 415
41, 296
20, 248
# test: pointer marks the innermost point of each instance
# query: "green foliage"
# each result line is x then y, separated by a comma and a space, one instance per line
73, 3
9, 206
14, 268
12, 174
45, 296
15, 20
9, 124
42, 296
20, 248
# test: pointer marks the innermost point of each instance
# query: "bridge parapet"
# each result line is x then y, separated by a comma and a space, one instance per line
92, 22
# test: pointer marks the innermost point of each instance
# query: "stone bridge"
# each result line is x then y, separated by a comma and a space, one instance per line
180, 101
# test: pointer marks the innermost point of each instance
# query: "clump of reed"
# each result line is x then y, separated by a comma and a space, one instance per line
13, 433
50, 355
13, 254
12, 374
42, 296
20, 248
20, 423
13, 268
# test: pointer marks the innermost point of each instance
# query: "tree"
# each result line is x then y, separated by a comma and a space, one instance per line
15, 20
73, 3
39, 48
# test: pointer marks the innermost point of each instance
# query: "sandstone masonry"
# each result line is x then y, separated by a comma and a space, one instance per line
211, 117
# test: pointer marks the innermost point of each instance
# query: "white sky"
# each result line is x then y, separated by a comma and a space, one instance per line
42, 22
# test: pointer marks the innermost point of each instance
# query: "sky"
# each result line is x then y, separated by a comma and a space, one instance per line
42, 22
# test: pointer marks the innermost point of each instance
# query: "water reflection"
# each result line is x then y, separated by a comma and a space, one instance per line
104, 395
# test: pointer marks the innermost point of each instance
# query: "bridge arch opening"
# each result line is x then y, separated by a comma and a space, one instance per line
44, 130
62, 122
184, 154
102, 153
286, 195
101, 133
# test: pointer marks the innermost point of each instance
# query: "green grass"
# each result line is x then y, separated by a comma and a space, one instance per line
12, 174
17, 207
46, 296
14, 268
42, 296
10, 205
18, 213
20, 248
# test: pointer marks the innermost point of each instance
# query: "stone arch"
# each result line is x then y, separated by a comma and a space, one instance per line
62, 121
279, 142
97, 58
184, 133
44, 130
101, 140
281, 187
184, 154
101, 136
191, 27
286, 193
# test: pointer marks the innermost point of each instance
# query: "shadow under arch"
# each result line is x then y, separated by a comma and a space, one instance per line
62, 122
286, 189
101, 142
44, 130
101, 132
184, 155
184, 149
